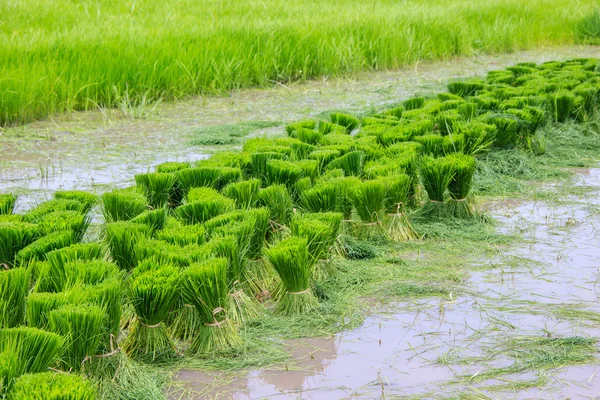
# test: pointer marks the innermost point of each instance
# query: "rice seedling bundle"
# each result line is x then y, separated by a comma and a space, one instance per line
368, 199
7, 203
82, 327
165, 252
460, 185
232, 216
479, 137
260, 218
36, 349
562, 104
324, 157
323, 197
432, 143
436, 174
351, 163
244, 193
14, 285
87, 200
395, 112
170, 167
347, 121
183, 235
309, 136
122, 238
152, 292
337, 139
64, 221
47, 207
281, 172
39, 306
291, 128
278, 201
507, 130
202, 205
228, 175
326, 128
466, 88
154, 219
414, 103
396, 223
108, 295
53, 386
80, 272
9, 367
197, 177
123, 205
468, 111
317, 234
310, 168
301, 186
205, 287
259, 163
291, 260
453, 143
157, 187
301, 150
37, 250
14, 236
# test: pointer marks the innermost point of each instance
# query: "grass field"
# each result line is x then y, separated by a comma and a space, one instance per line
64, 55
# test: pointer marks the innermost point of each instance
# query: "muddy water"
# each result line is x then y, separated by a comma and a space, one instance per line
93, 150
416, 348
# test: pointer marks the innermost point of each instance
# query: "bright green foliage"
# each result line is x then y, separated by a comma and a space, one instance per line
38, 249
310, 168
466, 88
244, 193
14, 236
347, 121
478, 136
562, 105
436, 174
259, 163
170, 167
453, 143
282, 172
154, 219
351, 163
64, 221
203, 204
321, 198
260, 218
88, 200
9, 370
301, 150
82, 327
397, 192
81, 272
291, 260
168, 253
53, 205
337, 139
278, 201
36, 349
326, 128
368, 199
197, 177
461, 183
14, 285
324, 157
183, 235
7, 203
309, 136
316, 232
53, 386
507, 133
432, 143
157, 187
414, 103
39, 306
122, 238
123, 205
291, 128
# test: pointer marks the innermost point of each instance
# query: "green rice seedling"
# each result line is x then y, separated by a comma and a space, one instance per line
310, 168
37, 250
7, 203
282, 172
562, 104
346, 187
317, 234
300, 187
337, 139
88, 200
15, 236
36, 349
291, 128
443, 97
157, 187
395, 112
368, 199
436, 174
14, 285
259, 163
334, 221
479, 137
152, 292
353, 248
451, 106
324, 157
414, 103
468, 111
186, 322
154, 219
260, 217
80, 272
447, 121
9, 367
170, 167
123, 205
347, 121
197, 177
39, 306
466, 88
329, 127
47, 207
81, 326
224, 219
244, 193
291, 261
108, 295
396, 223
309, 136
10, 218
507, 130
122, 238
588, 94
203, 204
205, 287
351, 163
432, 143
460, 185
279, 202
183, 235
64, 221
58, 258
453, 143
404, 148
164, 252
228, 175
323, 197
52, 385
300, 151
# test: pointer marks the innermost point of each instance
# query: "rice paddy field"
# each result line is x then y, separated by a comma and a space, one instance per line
427, 231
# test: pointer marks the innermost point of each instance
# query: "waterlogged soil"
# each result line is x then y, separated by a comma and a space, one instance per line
546, 287
97, 150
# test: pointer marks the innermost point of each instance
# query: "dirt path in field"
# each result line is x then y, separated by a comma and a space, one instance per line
93, 150
494, 340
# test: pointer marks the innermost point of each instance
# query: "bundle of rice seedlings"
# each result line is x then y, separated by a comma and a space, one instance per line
468, 111
260, 219
397, 225
346, 187
324, 157
282, 172
507, 132
122, 238
38, 249
203, 204
309, 136
414, 103
11, 218
466, 88
224, 219
436, 174
47, 207
197, 177
291, 260
341, 141
152, 292
562, 104
81, 326
291, 128
279, 202
65, 221
108, 295
170, 167
154, 219
14, 285
7, 203
460, 185
301, 186
310, 168
78, 251
351, 163
157, 187
259, 163
36, 349
347, 121
317, 234
301, 150
228, 175
431, 144
183, 235
88, 200
479, 137
164, 252
123, 205
205, 287
368, 199
80, 272
329, 127
453, 143
39, 306
322, 198
244, 193
9, 367
14, 236
51, 385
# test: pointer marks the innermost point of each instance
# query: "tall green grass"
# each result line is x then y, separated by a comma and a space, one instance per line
60, 55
